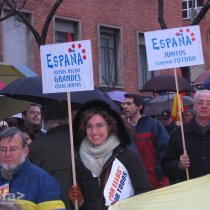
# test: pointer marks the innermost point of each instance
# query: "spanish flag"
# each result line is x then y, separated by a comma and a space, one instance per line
176, 106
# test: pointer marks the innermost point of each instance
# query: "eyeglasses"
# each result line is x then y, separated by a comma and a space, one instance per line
10, 149
97, 126
202, 103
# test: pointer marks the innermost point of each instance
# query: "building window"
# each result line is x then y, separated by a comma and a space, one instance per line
16, 47
65, 30
190, 8
144, 74
110, 58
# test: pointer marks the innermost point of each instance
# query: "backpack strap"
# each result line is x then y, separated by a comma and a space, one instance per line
105, 180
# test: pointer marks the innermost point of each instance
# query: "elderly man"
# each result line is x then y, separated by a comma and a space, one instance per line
19, 178
196, 158
150, 139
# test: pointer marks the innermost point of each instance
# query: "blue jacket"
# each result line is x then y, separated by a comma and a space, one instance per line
32, 183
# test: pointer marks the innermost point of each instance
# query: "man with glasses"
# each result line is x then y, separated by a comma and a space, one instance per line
150, 138
196, 158
19, 178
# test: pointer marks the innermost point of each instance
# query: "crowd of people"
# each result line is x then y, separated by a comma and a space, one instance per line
117, 154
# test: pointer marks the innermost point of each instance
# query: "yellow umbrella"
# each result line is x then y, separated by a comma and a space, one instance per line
10, 106
192, 194
9, 73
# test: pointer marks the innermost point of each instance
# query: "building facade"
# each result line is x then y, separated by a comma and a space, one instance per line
115, 28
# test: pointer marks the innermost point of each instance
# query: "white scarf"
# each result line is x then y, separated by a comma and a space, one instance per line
94, 157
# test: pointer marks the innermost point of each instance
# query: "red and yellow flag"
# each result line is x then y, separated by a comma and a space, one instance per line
177, 104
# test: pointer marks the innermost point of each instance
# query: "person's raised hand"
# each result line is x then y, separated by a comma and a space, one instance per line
76, 194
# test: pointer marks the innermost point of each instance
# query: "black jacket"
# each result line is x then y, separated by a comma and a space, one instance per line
52, 153
93, 187
198, 149
170, 127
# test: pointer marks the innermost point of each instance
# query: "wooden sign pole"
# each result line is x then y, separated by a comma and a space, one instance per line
181, 121
72, 145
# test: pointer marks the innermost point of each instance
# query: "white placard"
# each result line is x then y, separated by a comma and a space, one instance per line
118, 185
67, 67
172, 48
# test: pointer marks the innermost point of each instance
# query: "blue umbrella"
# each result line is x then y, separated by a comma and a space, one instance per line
117, 95
25, 71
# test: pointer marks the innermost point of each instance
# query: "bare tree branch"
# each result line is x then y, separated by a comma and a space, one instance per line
13, 4
161, 14
6, 16
201, 14
48, 20
16, 10
24, 19
1, 7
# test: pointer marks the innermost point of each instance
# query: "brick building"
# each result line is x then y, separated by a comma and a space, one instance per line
115, 28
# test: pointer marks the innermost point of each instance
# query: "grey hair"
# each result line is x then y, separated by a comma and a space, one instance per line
198, 93
11, 132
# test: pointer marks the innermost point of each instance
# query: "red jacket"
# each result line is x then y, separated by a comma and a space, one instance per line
150, 139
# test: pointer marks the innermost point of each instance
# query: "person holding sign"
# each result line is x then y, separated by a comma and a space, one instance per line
196, 158
107, 170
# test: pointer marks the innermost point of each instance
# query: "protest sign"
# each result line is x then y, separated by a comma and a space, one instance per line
118, 186
67, 67
172, 48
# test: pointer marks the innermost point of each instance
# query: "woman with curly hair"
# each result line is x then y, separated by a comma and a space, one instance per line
107, 169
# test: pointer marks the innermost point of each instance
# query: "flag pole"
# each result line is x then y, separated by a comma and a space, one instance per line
72, 145
181, 121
